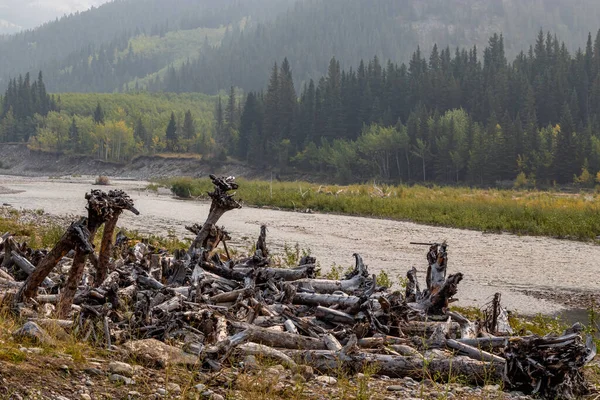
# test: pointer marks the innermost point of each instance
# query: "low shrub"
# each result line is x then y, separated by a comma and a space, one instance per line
102, 180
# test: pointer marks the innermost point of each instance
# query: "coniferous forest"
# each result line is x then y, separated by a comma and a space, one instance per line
460, 115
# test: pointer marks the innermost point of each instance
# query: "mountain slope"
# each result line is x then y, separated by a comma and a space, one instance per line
213, 44
315, 30
77, 38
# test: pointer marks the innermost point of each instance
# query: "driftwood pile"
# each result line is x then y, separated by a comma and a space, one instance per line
217, 307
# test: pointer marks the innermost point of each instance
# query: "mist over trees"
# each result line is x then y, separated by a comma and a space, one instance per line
210, 45
313, 31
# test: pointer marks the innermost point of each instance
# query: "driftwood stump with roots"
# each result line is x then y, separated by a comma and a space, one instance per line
434, 300
77, 237
119, 201
209, 234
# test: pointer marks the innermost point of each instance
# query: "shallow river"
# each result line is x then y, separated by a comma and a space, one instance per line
490, 262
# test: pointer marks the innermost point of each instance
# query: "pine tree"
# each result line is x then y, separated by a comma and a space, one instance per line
189, 130
565, 164
99, 115
140, 133
231, 111
171, 133
287, 103
74, 136
219, 122
271, 124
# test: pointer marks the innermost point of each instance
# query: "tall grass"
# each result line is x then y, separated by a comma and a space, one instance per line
572, 216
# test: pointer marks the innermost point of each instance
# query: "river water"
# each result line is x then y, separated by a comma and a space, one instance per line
505, 263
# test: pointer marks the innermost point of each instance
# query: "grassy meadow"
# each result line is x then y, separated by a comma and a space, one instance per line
563, 215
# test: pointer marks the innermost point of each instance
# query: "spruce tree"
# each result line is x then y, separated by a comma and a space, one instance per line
99, 115
171, 133
140, 133
189, 130
74, 136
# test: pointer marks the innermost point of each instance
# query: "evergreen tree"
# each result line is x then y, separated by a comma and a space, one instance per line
99, 115
74, 136
565, 164
140, 133
171, 134
189, 130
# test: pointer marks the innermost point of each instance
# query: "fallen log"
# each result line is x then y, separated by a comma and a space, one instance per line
267, 352
438, 368
331, 315
473, 352
280, 339
359, 280
327, 300
28, 268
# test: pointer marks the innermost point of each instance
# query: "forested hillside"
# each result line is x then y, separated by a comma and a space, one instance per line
445, 117
209, 45
315, 30
95, 44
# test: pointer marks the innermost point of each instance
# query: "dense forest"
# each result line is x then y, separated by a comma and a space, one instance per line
209, 45
450, 117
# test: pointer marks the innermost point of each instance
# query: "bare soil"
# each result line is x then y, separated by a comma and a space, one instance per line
534, 274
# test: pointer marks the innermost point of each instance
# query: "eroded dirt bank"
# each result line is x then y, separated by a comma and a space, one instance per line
522, 268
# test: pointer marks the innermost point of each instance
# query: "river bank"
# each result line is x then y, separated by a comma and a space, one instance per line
535, 274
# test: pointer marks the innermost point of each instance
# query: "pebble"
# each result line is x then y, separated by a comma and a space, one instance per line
491, 388
306, 371
173, 387
297, 378
94, 371
200, 387
329, 380
85, 396
162, 391
396, 388
217, 396
273, 372
122, 379
121, 368
133, 395
250, 363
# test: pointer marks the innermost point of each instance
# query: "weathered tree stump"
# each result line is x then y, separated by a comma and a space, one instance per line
118, 202
99, 211
77, 236
221, 203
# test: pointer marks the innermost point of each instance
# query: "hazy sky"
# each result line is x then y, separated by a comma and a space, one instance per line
22, 14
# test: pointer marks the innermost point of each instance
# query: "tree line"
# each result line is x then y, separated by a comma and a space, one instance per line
450, 117
112, 127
